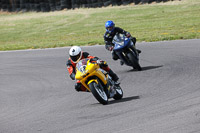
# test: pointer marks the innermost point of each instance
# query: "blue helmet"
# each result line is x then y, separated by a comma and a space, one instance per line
110, 25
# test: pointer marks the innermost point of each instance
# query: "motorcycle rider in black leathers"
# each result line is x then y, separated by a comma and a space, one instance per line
111, 31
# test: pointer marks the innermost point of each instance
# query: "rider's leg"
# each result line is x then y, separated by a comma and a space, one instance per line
134, 42
110, 72
113, 75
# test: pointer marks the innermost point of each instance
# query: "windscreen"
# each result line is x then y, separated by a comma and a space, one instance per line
118, 39
81, 65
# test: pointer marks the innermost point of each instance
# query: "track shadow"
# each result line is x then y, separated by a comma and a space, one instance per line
146, 68
150, 67
124, 100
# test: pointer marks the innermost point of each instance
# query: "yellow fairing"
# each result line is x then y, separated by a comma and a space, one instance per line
90, 70
95, 80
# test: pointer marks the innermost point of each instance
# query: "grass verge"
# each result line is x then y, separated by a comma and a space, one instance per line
155, 22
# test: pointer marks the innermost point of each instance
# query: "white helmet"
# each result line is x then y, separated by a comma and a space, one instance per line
75, 53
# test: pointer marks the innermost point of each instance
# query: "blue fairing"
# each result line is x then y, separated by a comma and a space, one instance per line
119, 48
122, 46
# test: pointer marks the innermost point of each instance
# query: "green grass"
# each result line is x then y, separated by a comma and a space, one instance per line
155, 22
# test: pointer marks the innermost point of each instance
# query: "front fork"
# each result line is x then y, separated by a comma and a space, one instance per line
132, 49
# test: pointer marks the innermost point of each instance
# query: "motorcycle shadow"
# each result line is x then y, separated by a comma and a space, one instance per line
146, 68
126, 99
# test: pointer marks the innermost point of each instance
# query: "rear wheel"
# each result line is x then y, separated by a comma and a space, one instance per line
98, 92
119, 93
134, 61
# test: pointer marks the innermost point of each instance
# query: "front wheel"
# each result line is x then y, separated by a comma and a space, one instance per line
98, 92
134, 61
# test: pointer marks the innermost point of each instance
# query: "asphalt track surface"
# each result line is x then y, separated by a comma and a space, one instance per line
37, 95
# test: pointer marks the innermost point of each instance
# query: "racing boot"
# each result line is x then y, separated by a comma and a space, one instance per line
139, 51
121, 63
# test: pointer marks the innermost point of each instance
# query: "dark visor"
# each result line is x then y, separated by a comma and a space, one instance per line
75, 58
109, 28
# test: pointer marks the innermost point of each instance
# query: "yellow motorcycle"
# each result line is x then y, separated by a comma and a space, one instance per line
97, 81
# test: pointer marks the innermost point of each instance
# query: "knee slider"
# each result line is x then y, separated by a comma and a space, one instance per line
78, 87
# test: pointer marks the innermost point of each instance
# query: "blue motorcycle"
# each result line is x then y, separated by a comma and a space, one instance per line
126, 51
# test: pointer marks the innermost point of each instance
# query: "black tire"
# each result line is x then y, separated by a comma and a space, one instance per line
119, 93
98, 93
134, 61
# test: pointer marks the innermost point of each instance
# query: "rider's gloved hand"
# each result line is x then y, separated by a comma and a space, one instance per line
128, 34
100, 61
110, 48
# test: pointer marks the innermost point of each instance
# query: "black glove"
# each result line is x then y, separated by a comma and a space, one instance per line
128, 34
110, 48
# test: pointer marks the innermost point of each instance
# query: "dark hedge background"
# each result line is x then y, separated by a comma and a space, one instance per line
53, 5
